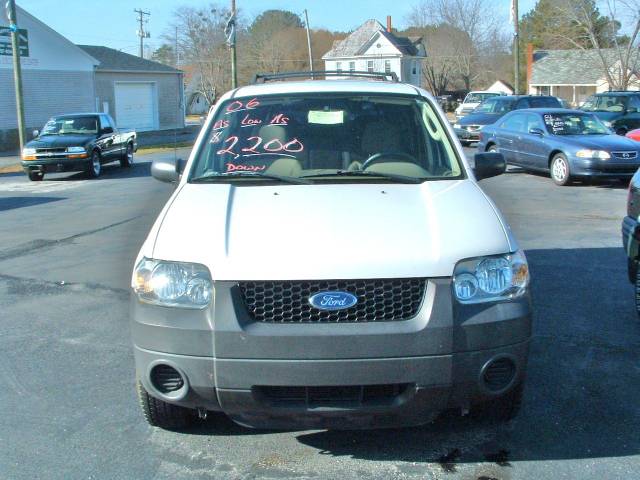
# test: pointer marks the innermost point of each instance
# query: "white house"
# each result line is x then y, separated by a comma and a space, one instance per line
502, 87
372, 48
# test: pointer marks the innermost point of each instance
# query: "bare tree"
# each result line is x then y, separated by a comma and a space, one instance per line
471, 30
202, 44
619, 59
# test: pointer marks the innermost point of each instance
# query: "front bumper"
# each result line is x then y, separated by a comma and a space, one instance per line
603, 168
227, 359
53, 165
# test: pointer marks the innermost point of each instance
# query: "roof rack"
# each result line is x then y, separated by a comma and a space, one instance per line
267, 77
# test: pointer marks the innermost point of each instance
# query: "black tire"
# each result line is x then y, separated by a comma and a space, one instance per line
126, 160
559, 170
632, 270
621, 131
637, 288
502, 409
35, 176
162, 414
94, 168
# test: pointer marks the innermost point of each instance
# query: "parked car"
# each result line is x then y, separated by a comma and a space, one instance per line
78, 142
492, 109
472, 100
631, 235
570, 144
634, 135
313, 267
619, 111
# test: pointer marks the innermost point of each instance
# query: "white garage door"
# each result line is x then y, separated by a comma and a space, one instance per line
135, 106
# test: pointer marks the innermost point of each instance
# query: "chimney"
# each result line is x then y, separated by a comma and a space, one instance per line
389, 23
529, 65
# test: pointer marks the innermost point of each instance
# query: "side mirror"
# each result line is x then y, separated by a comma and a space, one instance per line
168, 171
536, 131
106, 130
489, 164
36, 132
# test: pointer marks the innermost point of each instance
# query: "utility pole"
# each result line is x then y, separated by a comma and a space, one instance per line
230, 31
306, 22
142, 33
516, 46
17, 71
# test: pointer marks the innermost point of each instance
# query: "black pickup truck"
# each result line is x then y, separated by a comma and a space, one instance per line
76, 143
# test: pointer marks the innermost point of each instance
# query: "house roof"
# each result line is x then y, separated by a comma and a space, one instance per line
365, 35
115, 60
570, 67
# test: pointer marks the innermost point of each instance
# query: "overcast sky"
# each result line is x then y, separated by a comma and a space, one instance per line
112, 23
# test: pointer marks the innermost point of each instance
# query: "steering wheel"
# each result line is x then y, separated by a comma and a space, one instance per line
377, 156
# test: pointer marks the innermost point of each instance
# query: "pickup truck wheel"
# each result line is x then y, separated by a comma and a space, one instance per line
36, 176
162, 414
502, 409
127, 157
560, 173
94, 169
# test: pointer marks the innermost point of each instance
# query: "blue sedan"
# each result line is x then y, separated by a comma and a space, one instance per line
570, 144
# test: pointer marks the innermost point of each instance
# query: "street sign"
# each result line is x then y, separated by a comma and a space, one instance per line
5, 42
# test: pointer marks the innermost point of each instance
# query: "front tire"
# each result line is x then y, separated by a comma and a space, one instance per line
560, 172
162, 414
36, 176
94, 169
637, 288
127, 159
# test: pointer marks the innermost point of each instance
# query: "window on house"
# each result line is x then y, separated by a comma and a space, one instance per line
387, 66
339, 66
370, 66
352, 66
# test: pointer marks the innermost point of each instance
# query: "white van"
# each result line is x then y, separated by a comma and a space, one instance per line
328, 260
472, 100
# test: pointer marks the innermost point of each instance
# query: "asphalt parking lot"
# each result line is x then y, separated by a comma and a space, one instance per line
68, 409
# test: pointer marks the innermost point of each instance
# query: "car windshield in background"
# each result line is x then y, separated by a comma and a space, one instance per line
605, 103
544, 102
574, 124
71, 126
336, 137
478, 97
495, 105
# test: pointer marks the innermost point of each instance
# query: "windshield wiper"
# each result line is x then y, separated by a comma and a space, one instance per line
364, 173
213, 177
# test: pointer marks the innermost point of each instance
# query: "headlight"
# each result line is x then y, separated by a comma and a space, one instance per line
607, 123
456, 125
76, 150
601, 154
488, 279
173, 284
28, 151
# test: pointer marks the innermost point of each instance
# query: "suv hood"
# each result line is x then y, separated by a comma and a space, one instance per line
301, 232
480, 119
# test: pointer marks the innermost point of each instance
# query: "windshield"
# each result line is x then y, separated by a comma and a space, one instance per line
477, 97
322, 137
605, 103
495, 105
574, 124
71, 125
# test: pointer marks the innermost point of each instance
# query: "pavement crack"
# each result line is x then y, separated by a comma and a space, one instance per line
23, 285
41, 244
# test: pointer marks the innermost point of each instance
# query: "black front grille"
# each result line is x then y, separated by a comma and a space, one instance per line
51, 150
380, 300
625, 155
348, 395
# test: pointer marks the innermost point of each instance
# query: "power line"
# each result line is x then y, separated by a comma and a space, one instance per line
142, 33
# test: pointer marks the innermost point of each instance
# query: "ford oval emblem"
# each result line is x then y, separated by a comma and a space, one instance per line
333, 300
